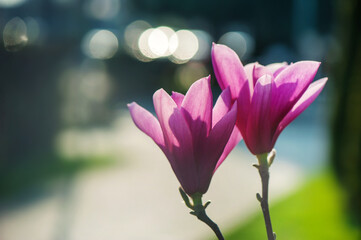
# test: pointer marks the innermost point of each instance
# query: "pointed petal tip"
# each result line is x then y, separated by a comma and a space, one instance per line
227, 90
204, 79
209, 78
158, 93
219, 47
265, 79
177, 98
310, 63
159, 90
316, 63
323, 80
234, 110
234, 105
320, 82
130, 105
174, 93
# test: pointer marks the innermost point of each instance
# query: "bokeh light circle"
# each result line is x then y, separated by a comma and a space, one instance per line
100, 44
242, 43
186, 48
15, 35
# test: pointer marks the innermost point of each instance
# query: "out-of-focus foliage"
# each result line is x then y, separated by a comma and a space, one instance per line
346, 145
314, 212
38, 173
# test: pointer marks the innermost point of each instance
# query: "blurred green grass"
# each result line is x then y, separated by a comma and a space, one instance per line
314, 212
38, 173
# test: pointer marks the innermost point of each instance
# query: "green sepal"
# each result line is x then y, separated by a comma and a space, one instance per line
185, 198
206, 205
271, 156
259, 198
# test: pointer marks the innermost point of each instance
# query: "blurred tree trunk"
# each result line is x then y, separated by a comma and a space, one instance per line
28, 106
29, 92
346, 149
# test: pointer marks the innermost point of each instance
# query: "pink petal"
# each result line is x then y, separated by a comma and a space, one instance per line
222, 106
147, 123
276, 68
164, 107
291, 83
307, 98
177, 98
178, 140
244, 106
260, 70
214, 147
228, 69
258, 136
248, 69
249, 73
197, 109
221, 132
301, 73
230, 73
182, 153
234, 139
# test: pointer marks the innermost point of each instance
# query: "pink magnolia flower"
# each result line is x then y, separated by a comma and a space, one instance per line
194, 138
269, 97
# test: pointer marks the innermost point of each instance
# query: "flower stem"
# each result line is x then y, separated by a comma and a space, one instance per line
199, 210
201, 215
263, 167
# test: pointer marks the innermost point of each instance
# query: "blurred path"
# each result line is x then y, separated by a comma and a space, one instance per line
139, 199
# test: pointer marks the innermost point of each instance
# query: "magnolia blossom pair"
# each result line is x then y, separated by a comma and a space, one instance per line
260, 100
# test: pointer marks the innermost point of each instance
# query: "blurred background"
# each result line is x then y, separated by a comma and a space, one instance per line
73, 166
